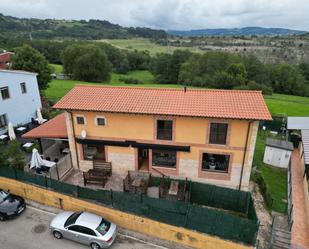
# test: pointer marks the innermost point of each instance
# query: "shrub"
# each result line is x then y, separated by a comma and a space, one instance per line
267, 90
16, 156
130, 80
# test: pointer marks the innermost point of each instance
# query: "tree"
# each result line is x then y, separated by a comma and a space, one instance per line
190, 71
256, 70
287, 79
87, 63
15, 155
304, 68
166, 67
31, 60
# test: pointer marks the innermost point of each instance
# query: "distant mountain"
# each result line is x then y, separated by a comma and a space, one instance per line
259, 31
33, 28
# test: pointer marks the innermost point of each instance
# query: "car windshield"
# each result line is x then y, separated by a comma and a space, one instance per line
3, 195
103, 227
71, 220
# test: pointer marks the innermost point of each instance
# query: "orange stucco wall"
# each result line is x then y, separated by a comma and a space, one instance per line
188, 131
128, 126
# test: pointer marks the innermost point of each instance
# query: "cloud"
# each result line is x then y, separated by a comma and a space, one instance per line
169, 14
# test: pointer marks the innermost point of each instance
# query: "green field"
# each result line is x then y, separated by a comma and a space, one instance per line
288, 105
56, 68
58, 88
276, 179
278, 104
145, 44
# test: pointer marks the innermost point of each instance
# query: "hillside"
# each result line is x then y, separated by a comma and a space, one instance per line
24, 28
247, 31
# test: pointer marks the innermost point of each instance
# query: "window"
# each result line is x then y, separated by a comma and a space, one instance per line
80, 120
5, 93
165, 129
3, 121
164, 158
215, 162
94, 151
72, 219
103, 227
101, 121
3, 195
82, 229
23, 87
218, 133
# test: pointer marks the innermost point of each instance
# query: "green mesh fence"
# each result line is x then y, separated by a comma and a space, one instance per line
206, 220
166, 205
221, 224
128, 202
102, 196
62, 187
31, 178
214, 196
7, 172
251, 210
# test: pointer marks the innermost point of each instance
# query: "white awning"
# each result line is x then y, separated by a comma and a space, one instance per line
298, 123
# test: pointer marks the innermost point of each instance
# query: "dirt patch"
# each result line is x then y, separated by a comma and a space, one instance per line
264, 233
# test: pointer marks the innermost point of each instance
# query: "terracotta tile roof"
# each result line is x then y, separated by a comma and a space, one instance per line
54, 128
234, 104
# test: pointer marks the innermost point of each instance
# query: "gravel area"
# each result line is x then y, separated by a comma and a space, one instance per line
264, 233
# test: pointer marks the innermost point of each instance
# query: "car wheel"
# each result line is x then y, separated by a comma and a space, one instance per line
2, 217
57, 235
95, 246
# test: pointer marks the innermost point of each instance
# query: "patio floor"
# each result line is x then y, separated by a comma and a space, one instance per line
75, 177
300, 231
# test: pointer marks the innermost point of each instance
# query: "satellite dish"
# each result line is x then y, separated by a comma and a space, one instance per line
83, 134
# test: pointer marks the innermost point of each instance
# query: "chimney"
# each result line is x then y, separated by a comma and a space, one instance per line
184, 88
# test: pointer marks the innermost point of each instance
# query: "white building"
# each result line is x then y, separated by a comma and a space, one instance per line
278, 152
19, 98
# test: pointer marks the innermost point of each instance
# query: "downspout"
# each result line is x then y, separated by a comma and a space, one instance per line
72, 123
245, 155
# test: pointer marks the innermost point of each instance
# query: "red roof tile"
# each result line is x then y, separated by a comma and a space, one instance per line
54, 128
234, 104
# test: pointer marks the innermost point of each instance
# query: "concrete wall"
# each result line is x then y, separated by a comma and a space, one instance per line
188, 131
19, 108
128, 221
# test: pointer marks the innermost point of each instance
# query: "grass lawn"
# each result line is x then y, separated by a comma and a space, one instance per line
58, 88
280, 104
276, 179
145, 44
56, 68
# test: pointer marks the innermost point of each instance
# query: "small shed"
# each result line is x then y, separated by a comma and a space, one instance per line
278, 152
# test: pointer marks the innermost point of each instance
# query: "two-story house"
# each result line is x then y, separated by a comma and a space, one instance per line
19, 97
205, 135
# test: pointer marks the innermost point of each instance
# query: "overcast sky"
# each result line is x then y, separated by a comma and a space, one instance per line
170, 14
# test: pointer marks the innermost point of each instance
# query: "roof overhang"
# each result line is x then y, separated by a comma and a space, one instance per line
54, 128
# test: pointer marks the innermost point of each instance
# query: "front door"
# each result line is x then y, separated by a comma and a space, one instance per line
143, 159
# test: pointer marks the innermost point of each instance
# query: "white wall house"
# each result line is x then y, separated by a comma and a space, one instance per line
278, 152
19, 98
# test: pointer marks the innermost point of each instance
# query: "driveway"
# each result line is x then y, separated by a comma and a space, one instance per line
31, 231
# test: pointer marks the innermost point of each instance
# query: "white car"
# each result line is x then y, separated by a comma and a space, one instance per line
85, 228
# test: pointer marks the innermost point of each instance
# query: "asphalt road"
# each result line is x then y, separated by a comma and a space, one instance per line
31, 231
